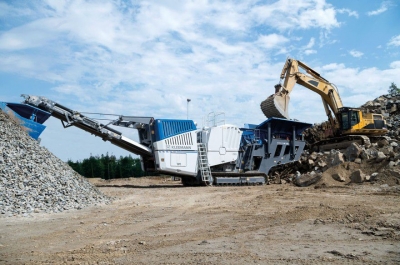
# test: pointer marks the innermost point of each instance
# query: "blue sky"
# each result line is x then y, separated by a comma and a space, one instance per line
145, 58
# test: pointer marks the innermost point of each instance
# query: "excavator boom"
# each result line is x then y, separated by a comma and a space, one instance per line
342, 120
277, 104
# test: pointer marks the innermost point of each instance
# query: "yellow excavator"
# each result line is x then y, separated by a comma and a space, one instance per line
345, 123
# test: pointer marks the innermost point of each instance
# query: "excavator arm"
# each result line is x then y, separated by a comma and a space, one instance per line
343, 120
277, 104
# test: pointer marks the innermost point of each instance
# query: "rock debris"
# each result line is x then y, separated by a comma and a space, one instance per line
377, 161
33, 180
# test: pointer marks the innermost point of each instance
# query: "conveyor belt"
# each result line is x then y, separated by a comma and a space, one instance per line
73, 118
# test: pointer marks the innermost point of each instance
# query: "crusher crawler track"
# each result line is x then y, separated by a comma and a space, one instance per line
234, 179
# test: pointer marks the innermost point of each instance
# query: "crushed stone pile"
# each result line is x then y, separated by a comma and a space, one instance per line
33, 180
378, 163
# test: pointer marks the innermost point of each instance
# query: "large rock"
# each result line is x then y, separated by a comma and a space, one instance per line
314, 156
365, 155
374, 176
308, 179
393, 109
387, 150
357, 176
380, 157
352, 152
338, 177
322, 164
383, 143
335, 158
369, 153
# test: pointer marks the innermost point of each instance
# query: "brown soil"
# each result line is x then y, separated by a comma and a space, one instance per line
158, 221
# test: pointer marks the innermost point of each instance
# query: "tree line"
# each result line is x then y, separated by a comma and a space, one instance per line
108, 167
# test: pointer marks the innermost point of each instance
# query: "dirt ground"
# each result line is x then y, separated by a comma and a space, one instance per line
158, 221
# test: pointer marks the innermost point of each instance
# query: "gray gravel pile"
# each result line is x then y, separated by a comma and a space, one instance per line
33, 180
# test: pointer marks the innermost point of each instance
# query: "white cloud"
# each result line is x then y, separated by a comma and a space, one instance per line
349, 12
325, 39
395, 65
32, 35
383, 8
333, 66
356, 54
12, 10
394, 41
286, 14
310, 44
308, 52
374, 81
307, 49
271, 41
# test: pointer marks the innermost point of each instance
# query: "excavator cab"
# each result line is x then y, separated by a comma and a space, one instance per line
354, 121
349, 117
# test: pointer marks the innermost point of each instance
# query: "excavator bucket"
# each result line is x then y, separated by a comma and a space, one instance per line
276, 106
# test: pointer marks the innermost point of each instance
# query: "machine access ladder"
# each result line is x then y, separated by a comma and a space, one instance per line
203, 164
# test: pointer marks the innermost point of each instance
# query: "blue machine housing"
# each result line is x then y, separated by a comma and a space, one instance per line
280, 128
30, 117
165, 128
273, 142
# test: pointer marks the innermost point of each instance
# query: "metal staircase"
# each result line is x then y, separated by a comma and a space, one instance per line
203, 164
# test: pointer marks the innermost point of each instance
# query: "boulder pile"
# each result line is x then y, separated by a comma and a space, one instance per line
378, 162
33, 180
389, 107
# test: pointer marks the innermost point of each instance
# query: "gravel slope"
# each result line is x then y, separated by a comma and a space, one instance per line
34, 180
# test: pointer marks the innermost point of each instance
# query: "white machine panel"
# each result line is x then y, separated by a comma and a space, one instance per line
178, 160
177, 154
223, 144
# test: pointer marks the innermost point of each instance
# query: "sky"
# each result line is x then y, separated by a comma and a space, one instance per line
146, 58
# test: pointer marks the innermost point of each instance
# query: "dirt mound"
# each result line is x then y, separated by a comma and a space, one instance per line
33, 180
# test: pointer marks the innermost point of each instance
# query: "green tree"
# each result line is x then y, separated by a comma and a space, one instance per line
126, 166
92, 167
77, 166
137, 168
108, 167
393, 89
